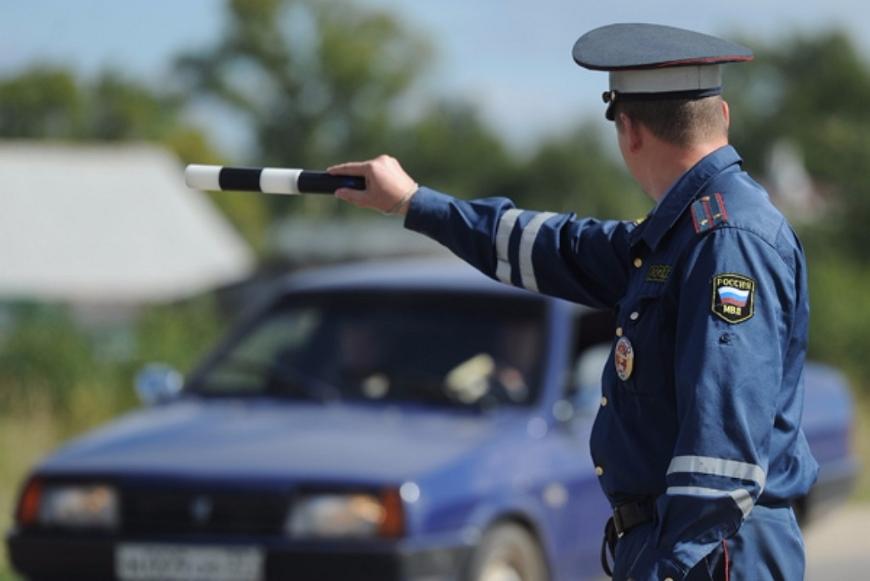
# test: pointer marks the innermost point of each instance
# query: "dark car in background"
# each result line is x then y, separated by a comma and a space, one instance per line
400, 421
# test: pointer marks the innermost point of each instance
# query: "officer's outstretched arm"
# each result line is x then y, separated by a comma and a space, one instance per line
736, 305
582, 260
585, 261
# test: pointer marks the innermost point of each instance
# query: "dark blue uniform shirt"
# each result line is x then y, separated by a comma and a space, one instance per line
703, 391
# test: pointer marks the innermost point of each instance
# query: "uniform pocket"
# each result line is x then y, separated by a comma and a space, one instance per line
645, 326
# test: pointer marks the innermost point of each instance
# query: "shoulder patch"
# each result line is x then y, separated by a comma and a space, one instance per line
708, 212
733, 297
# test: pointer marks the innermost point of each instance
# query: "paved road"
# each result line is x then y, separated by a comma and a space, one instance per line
838, 545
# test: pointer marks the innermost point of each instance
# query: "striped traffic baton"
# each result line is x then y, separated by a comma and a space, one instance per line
268, 180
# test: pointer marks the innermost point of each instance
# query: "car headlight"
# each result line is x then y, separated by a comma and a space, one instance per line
69, 505
346, 516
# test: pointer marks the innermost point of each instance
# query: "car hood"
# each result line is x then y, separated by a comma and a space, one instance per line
256, 439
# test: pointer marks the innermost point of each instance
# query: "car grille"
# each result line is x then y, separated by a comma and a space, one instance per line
225, 512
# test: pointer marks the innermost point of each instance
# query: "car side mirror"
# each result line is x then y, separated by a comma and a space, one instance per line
158, 383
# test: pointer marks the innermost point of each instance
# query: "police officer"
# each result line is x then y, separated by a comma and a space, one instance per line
697, 443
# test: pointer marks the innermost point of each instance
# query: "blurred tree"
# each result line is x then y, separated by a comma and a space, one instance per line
813, 92
41, 102
120, 109
450, 148
578, 173
316, 80
49, 103
43, 352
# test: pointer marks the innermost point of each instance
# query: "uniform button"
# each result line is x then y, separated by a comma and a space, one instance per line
638, 262
603, 401
599, 471
619, 331
634, 316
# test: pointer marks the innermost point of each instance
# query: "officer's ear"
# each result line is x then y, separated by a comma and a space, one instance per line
726, 114
629, 132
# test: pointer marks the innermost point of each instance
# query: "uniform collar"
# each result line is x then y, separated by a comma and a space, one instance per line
681, 194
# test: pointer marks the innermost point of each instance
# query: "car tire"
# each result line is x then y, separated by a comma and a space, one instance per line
508, 552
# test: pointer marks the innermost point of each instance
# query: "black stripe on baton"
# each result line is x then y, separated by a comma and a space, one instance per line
240, 178
316, 182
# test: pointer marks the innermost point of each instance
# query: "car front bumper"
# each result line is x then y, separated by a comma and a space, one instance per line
47, 557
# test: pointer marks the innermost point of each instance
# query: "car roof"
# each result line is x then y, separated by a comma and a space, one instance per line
439, 274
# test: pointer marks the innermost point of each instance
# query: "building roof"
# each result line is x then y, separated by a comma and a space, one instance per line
108, 223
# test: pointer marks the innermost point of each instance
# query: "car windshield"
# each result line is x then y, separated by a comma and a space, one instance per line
446, 349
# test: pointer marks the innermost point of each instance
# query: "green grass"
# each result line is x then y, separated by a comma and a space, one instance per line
24, 438
861, 442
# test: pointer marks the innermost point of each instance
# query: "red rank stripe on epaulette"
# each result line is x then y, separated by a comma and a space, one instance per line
708, 212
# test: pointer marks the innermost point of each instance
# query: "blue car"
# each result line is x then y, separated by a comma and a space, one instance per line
404, 421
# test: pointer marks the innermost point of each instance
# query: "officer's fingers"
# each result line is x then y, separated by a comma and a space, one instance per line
386, 165
388, 172
353, 168
355, 197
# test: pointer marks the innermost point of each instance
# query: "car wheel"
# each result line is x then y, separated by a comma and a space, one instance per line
508, 552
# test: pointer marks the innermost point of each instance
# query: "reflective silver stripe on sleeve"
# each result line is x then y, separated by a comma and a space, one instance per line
741, 496
527, 245
502, 243
718, 467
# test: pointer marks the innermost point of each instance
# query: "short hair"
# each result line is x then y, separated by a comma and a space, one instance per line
681, 122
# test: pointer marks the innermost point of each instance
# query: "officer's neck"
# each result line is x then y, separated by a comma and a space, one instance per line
665, 163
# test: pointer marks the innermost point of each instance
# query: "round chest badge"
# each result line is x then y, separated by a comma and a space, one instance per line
623, 358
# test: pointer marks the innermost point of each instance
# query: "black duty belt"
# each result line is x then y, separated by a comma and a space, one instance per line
631, 514
625, 517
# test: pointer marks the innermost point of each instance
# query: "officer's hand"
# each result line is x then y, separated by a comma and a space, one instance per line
388, 187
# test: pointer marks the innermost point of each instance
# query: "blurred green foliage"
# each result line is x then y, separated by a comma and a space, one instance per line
812, 93
50, 360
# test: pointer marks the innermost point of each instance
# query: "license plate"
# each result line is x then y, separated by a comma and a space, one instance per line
153, 562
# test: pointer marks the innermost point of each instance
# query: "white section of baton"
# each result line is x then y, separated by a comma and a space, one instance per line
527, 245
740, 496
276, 180
718, 467
203, 177
502, 243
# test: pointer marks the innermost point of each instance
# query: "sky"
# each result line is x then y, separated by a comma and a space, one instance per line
511, 57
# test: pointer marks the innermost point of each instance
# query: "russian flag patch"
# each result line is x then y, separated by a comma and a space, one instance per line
733, 297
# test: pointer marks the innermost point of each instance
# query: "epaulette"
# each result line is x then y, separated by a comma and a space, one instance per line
708, 212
